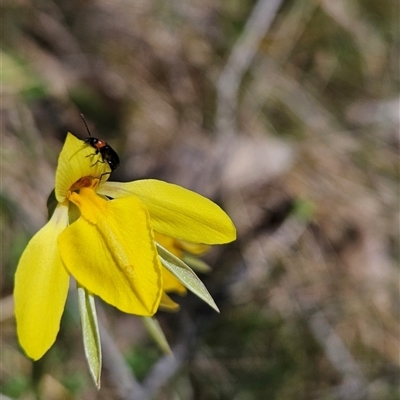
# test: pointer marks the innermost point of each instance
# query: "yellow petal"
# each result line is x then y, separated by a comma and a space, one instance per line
193, 248
177, 212
171, 284
168, 243
77, 160
110, 251
41, 288
167, 304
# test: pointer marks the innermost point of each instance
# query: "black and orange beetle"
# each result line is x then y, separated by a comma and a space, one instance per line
108, 154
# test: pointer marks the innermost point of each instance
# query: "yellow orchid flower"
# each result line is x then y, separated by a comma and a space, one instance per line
170, 283
101, 233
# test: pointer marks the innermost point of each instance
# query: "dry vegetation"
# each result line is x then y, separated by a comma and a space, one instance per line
284, 112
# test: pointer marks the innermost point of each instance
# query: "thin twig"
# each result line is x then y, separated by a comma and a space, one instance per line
166, 367
354, 384
118, 372
239, 61
164, 370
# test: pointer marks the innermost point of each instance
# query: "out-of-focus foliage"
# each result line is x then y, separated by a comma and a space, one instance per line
307, 168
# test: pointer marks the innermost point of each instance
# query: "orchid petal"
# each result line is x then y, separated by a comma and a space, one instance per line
167, 304
177, 212
41, 288
186, 275
76, 161
110, 251
172, 284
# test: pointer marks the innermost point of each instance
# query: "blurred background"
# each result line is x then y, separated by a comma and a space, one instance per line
286, 113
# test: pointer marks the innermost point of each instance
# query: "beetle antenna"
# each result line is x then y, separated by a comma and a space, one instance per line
86, 125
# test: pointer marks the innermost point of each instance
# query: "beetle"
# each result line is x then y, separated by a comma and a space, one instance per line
108, 154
